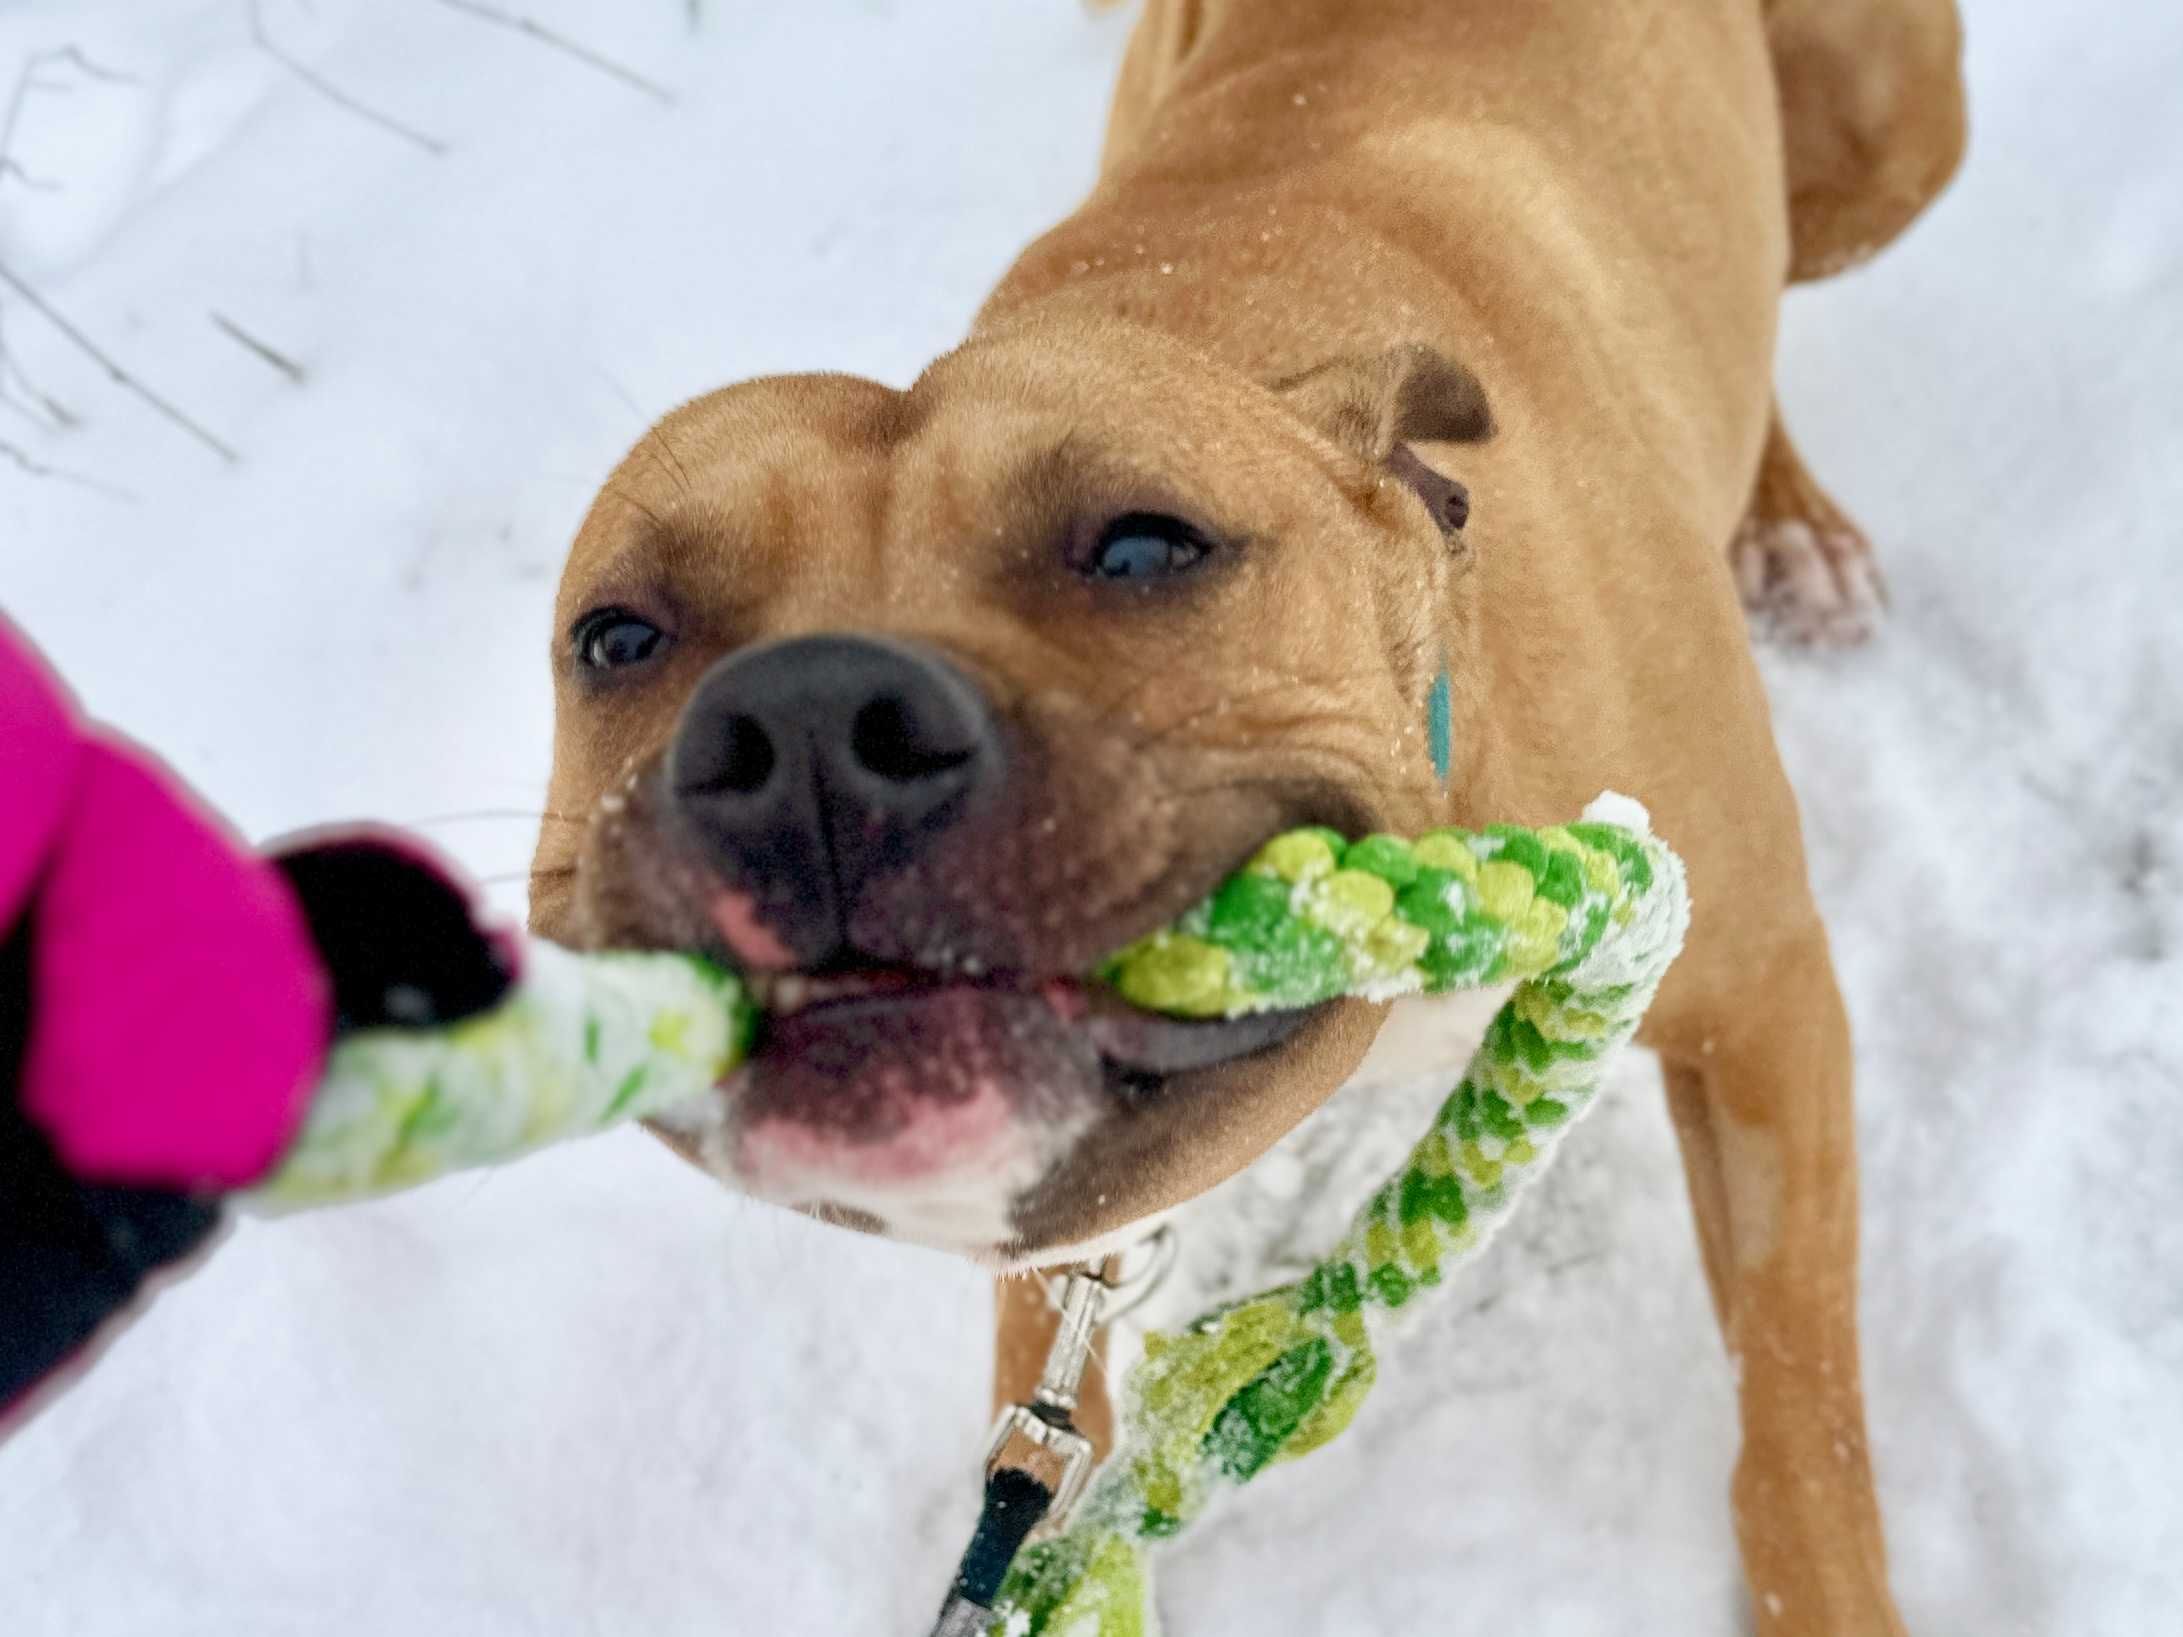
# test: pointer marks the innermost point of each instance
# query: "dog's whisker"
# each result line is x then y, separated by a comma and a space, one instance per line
621, 493
658, 435
485, 815
559, 872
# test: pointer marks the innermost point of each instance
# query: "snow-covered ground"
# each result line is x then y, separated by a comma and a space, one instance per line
594, 1394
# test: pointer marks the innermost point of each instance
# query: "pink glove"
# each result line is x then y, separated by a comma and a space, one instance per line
167, 999
179, 1009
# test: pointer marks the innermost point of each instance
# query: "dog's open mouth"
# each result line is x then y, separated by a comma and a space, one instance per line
1142, 1047
903, 1095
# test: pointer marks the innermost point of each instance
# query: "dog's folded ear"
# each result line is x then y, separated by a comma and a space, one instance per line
1379, 403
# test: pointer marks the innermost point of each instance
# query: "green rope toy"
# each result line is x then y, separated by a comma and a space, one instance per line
585, 1042
582, 1043
1587, 919
1584, 918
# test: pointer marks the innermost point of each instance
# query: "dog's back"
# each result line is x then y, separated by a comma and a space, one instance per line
1583, 202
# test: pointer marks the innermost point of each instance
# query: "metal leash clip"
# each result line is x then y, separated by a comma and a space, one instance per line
1037, 1463
1040, 1437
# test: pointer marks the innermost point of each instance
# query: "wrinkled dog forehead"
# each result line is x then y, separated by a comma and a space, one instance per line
991, 437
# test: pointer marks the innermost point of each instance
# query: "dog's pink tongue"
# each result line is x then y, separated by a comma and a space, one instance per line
749, 939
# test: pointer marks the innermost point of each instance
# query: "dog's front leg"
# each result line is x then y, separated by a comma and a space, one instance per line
1761, 1100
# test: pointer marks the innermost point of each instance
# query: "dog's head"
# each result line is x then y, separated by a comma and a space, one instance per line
914, 705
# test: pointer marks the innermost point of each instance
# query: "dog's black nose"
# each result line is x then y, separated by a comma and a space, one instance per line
810, 765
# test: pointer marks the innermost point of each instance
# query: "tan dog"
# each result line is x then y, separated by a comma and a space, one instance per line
921, 701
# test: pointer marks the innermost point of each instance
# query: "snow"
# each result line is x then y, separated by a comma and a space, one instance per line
593, 1393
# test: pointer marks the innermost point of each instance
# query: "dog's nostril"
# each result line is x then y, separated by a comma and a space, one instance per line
888, 740
746, 756
808, 768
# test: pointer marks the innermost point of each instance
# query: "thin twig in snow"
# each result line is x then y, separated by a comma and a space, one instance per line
8, 121
20, 395
119, 376
38, 468
18, 391
25, 83
41, 408
561, 42
83, 63
264, 349
332, 92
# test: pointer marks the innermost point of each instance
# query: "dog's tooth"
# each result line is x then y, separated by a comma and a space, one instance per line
791, 993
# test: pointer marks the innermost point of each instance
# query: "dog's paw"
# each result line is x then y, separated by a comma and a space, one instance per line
1807, 585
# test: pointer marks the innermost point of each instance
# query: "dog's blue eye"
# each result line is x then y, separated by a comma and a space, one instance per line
1146, 546
611, 638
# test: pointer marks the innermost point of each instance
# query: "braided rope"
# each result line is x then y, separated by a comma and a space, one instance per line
1588, 918
582, 1043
